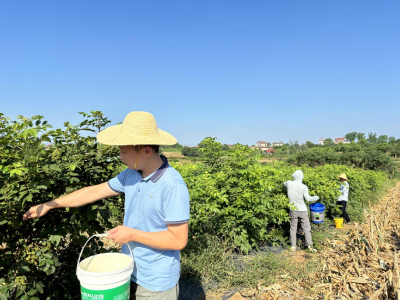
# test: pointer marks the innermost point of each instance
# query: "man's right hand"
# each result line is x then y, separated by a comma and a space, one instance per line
36, 211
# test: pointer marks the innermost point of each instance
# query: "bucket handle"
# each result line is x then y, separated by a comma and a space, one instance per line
97, 235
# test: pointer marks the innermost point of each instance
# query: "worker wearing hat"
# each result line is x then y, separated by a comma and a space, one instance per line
344, 196
156, 205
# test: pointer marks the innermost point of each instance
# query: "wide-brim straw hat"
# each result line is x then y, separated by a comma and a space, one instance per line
343, 176
138, 128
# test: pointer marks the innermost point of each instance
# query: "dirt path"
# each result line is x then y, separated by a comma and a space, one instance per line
363, 264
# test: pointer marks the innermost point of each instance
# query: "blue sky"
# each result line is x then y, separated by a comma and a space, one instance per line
241, 71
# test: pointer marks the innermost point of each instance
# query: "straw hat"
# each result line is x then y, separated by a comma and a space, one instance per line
343, 176
138, 128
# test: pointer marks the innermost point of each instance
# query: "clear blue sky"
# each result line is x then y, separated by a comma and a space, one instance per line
241, 71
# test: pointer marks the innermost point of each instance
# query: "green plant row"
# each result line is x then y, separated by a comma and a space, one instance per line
235, 197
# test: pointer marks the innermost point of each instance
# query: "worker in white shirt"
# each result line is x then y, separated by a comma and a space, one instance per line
344, 196
297, 193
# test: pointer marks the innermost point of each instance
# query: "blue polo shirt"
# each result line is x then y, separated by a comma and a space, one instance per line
151, 204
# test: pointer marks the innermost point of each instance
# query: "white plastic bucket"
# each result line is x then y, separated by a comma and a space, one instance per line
105, 276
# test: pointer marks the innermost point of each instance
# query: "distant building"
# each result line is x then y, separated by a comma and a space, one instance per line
275, 144
321, 141
270, 151
261, 144
341, 140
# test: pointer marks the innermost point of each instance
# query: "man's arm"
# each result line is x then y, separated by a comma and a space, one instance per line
175, 238
78, 198
307, 196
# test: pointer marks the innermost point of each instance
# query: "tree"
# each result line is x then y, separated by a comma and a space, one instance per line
351, 136
190, 151
294, 147
328, 142
395, 150
268, 144
383, 147
362, 142
372, 139
360, 136
382, 139
225, 147
212, 152
392, 140
310, 145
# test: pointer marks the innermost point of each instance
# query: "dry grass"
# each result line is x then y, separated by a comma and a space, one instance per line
363, 265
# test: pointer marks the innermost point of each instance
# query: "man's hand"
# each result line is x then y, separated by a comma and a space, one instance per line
36, 211
121, 234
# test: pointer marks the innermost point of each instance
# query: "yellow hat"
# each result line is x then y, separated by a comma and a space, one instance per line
138, 128
343, 176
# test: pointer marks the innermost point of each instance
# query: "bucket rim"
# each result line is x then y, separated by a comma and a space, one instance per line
98, 274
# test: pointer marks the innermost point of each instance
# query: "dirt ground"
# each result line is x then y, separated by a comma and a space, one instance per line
172, 154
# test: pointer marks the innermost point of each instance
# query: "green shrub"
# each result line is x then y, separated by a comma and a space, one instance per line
39, 256
236, 198
369, 159
190, 151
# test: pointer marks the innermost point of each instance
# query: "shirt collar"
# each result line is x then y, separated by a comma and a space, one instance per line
160, 172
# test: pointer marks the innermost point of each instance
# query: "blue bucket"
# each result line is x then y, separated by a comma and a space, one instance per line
317, 212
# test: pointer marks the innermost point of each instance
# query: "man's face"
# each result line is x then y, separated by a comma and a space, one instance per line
129, 156
342, 179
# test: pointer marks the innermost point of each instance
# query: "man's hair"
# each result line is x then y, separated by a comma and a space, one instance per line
155, 148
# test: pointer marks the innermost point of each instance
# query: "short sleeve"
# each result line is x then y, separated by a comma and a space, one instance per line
176, 204
117, 184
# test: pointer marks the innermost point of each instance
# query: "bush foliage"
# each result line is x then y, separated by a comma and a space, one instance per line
368, 158
39, 256
233, 196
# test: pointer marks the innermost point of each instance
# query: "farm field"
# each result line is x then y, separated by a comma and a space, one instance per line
361, 262
239, 209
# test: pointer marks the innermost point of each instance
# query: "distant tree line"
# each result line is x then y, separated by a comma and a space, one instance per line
372, 153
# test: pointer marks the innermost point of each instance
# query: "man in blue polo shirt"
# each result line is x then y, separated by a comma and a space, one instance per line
156, 206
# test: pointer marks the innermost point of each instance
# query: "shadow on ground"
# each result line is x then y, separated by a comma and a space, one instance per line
190, 289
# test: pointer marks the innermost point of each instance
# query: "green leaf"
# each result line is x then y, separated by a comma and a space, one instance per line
55, 168
48, 255
3, 222
39, 288
22, 194
27, 198
55, 239
32, 292
25, 268
24, 297
33, 132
